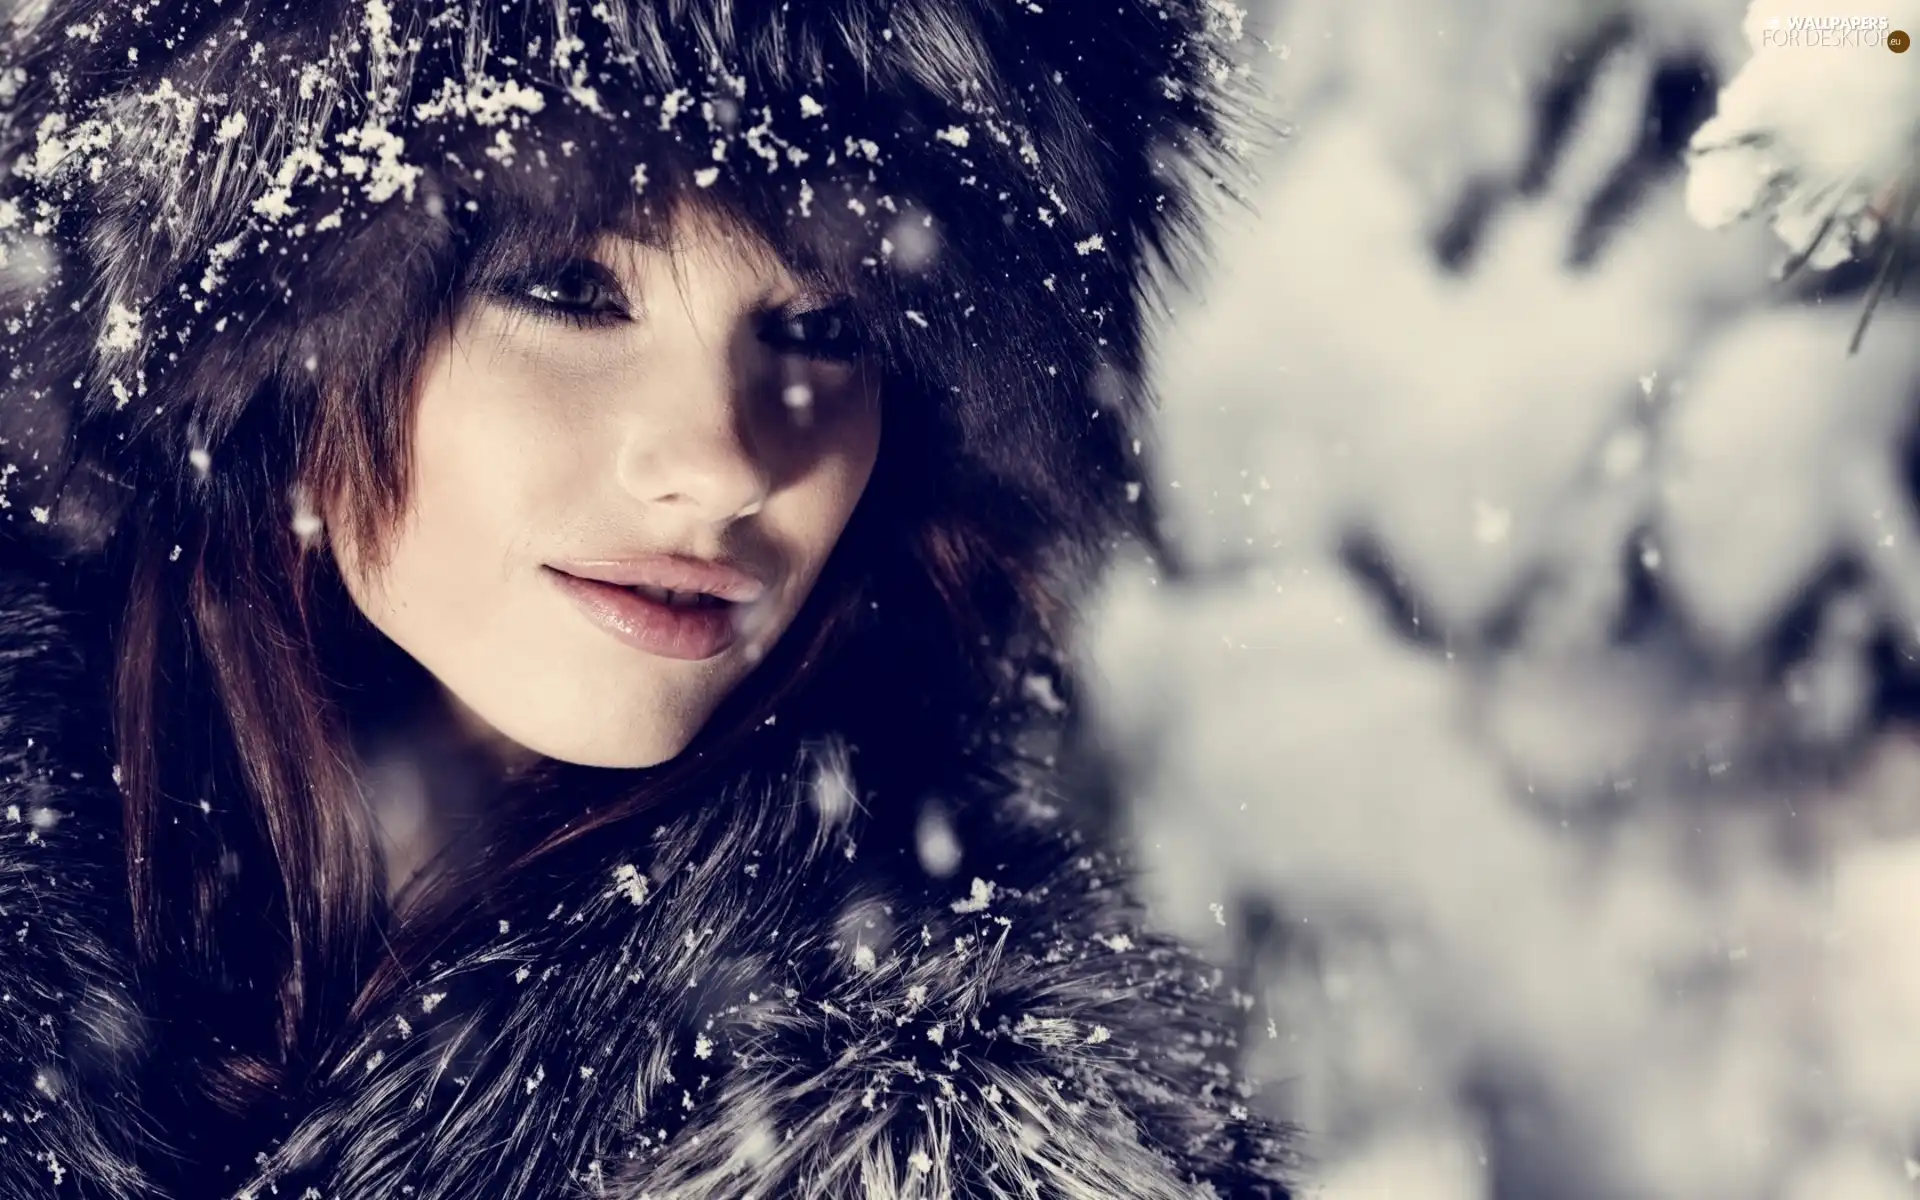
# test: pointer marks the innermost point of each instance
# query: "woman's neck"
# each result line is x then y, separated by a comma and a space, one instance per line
500, 754
431, 770
432, 777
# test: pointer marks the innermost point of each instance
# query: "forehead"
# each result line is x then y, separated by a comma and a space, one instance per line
679, 231
695, 239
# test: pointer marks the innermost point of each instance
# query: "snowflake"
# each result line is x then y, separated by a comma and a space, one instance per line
629, 882
978, 900
123, 328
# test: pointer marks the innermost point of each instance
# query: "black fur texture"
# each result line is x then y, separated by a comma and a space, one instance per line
768, 996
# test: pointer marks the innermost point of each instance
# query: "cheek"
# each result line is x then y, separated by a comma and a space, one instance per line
486, 451
500, 441
852, 462
842, 466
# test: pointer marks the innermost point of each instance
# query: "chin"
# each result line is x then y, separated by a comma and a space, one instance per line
586, 731
617, 748
613, 756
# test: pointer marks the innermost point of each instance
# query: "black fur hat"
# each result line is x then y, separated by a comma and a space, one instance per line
215, 207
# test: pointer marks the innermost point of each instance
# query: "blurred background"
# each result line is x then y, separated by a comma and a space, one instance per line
1530, 718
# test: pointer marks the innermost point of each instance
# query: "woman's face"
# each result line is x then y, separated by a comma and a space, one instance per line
688, 418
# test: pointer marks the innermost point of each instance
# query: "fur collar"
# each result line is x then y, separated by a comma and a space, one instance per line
767, 998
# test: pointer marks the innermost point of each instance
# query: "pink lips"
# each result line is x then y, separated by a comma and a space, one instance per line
671, 571
602, 589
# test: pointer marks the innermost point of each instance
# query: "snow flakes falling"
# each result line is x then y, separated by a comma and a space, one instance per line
274, 205
386, 174
832, 792
673, 104
1226, 20
935, 842
629, 882
306, 523
757, 1144
123, 328
485, 100
911, 244
978, 899
754, 624
955, 135
379, 25
502, 151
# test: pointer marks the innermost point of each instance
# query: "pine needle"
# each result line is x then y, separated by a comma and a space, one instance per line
1900, 231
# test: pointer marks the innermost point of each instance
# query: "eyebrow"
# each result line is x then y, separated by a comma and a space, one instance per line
647, 232
816, 286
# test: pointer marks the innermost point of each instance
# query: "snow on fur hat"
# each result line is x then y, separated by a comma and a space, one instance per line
216, 207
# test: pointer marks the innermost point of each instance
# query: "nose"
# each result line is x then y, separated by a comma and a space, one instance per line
689, 446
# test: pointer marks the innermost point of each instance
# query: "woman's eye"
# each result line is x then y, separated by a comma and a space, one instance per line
827, 333
580, 292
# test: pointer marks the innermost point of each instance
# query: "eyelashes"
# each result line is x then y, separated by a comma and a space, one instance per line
583, 294
579, 292
826, 332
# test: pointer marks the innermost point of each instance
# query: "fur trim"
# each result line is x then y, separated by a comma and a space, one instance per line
769, 996
69, 1024
724, 1016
